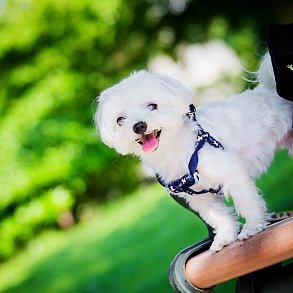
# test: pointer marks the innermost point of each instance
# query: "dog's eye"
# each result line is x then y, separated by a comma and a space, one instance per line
120, 120
152, 106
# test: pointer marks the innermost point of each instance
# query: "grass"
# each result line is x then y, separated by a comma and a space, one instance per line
277, 184
127, 246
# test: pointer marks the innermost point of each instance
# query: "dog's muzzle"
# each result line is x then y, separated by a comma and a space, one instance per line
148, 140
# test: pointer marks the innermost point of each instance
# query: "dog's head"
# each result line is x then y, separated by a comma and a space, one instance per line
142, 114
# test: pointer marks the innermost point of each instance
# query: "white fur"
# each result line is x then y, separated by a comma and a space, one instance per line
250, 126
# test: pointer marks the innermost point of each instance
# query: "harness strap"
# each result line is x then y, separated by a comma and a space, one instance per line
184, 183
278, 216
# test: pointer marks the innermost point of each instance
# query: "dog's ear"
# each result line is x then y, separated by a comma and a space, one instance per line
103, 123
184, 95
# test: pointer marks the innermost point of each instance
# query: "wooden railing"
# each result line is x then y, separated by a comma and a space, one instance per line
271, 246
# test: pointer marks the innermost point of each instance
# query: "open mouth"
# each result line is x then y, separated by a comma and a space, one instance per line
149, 141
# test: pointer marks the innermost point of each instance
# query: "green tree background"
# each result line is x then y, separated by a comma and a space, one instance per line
55, 59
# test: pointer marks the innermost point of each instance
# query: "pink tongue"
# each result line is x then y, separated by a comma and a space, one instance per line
150, 144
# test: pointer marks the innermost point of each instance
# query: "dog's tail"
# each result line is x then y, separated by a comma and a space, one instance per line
266, 78
265, 73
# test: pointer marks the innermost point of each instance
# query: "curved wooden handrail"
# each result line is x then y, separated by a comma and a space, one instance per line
271, 246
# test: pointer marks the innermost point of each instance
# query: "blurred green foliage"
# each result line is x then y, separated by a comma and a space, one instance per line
55, 58
53, 64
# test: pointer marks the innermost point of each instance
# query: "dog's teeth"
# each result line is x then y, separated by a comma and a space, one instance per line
138, 140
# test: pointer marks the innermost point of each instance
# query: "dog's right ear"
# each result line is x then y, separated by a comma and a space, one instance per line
184, 95
103, 122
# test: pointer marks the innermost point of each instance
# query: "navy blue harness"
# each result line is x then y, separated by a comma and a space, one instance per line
184, 183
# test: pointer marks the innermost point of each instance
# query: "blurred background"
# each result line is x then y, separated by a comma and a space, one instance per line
74, 215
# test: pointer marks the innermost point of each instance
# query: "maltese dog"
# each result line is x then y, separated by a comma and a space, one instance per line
203, 155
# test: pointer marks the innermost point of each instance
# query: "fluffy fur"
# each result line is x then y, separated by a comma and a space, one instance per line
250, 126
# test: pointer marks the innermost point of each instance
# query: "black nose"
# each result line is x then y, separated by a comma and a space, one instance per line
140, 127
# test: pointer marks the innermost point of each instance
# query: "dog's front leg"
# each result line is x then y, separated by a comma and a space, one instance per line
219, 216
249, 204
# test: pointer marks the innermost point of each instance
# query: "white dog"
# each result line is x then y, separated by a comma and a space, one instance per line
145, 115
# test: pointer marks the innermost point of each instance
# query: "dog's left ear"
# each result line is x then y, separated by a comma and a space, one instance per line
184, 95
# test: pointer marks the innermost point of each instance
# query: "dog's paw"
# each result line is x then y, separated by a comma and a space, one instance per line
251, 229
221, 240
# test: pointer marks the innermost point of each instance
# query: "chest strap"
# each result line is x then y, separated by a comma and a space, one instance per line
184, 183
